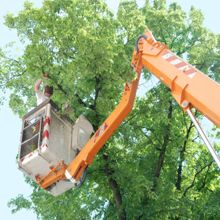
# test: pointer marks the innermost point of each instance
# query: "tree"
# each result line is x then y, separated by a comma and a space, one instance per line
154, 167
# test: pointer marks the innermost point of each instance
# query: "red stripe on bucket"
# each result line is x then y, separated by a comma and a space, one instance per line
47, 121
46, 134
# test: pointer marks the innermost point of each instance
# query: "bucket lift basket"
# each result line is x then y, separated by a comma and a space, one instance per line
48, 140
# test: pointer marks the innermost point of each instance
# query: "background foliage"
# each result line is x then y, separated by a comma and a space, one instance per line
155, 166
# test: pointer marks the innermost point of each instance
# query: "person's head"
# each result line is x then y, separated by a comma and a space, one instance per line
48, 91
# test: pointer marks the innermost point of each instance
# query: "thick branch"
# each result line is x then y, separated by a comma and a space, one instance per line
80, 101
60, 87
97, 91
182, 157
160, 161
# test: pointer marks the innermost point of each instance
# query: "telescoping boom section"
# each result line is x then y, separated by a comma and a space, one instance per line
190, 87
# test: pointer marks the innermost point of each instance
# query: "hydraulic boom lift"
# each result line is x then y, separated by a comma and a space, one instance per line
190, 88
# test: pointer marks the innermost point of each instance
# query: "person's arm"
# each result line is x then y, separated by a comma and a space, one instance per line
37, 85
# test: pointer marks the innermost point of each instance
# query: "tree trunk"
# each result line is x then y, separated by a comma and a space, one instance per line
115, 189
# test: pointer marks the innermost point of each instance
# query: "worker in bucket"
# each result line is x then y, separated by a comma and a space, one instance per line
48, 90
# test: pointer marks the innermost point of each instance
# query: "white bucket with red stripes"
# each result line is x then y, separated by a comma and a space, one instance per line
47, 139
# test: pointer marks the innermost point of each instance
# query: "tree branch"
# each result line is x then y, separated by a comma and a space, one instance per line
205, 178
194, 178
160, 161
97, 91
182, 157
4, 84
80, 101
60, 87
140, 129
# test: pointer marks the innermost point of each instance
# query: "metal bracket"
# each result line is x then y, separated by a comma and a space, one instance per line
204, 137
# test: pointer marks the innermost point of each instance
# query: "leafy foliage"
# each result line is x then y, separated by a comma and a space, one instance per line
154, 167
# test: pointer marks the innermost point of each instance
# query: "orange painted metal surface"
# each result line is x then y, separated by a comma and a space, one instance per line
86, 156
56, 174
189, 86
105, 131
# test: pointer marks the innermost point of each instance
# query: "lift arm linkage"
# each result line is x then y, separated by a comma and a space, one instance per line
76, 167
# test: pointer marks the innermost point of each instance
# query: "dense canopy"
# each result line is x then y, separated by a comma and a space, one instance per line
154, 166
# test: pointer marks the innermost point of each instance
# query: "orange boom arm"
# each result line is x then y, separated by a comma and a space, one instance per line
76, 168
189, 86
